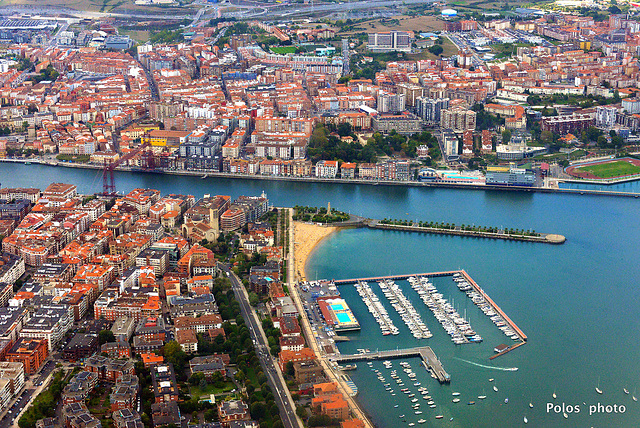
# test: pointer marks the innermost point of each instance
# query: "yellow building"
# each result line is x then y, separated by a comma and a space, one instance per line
162, 138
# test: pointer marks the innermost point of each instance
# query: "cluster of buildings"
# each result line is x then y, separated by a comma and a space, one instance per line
137, 268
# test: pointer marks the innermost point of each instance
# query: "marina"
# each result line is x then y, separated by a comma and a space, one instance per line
405, 309
376, 308
458, 328
429, 359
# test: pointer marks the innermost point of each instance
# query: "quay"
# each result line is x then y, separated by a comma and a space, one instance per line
395, 277
429, 359
357, 181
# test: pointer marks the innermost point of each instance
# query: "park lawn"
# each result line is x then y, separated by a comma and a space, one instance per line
140, 36
197, 392
74, 158
448, 49
283, 49
617, 168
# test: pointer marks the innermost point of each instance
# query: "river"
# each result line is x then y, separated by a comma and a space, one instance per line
576, 302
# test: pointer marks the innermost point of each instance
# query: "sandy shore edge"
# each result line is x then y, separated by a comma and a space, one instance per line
307, 236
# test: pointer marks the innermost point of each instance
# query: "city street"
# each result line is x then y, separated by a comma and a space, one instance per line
274, 376
33, 384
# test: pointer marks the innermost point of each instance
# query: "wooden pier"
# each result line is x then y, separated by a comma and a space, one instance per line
429, 359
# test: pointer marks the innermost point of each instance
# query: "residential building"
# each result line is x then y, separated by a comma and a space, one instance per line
208, 365
405, 123
165, 387
188, 340
326, 169
30, 352
81, 346
165, 413
233, 410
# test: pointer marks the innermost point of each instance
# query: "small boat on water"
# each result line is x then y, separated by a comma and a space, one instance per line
395, 407
491, 380
482, 397
495, 388
526, 421
439, 417
401, 416
421, 421
411, 424
471, 403
506, 400
455, 394
565, 415
418, 412
531, 405
625, 391
456, 400
554, 395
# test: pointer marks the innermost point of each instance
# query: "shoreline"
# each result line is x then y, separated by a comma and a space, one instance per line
307, 237
410, 183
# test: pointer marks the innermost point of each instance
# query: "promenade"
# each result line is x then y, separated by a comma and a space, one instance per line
543, 238
204, 174
311, 341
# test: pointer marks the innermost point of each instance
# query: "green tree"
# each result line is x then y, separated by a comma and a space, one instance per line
258, 410
506, 136
175, 355
253, 299
436, 49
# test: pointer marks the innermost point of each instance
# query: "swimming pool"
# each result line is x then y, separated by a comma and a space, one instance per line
343, 317
337, 307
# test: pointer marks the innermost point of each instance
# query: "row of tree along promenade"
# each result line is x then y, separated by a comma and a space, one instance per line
467, 230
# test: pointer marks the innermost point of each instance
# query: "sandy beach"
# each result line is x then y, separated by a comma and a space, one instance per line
307, 236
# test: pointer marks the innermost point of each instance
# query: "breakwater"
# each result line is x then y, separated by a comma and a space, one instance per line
543, 238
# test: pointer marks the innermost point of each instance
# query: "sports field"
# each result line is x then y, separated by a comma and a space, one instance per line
608, 169
283, 49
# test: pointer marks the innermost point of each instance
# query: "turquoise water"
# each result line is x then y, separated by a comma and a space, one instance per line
343, 317
576, 302
630, 187
336, 307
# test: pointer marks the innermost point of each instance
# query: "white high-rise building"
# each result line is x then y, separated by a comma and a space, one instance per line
606, 116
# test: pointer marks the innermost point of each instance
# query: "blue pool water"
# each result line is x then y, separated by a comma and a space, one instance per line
343, 317
337, 307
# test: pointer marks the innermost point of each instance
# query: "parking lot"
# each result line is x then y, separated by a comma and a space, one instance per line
309, 292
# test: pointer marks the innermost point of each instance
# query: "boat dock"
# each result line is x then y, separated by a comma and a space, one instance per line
429, 359
395, 277
521, 336
495, 307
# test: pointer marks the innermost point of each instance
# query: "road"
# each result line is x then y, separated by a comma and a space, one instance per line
32, 387
311, 340
274, 376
